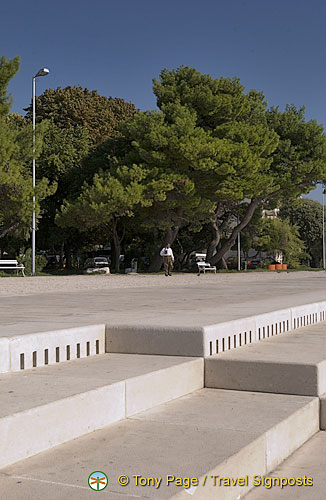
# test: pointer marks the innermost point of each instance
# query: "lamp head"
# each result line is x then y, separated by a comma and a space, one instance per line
42, 72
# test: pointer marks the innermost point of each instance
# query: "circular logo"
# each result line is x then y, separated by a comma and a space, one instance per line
97, 480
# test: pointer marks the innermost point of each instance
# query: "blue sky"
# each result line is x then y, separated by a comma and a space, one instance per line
117, 47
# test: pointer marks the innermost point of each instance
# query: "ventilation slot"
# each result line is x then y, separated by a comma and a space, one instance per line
34, 359
22, 361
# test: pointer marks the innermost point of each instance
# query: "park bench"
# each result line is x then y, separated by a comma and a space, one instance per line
10, 265
205, 266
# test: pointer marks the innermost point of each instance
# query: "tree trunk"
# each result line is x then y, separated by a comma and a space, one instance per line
170, 236
214, 241
224, 264
230, 242
217, 229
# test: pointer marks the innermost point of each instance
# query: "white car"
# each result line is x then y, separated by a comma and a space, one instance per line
96, 262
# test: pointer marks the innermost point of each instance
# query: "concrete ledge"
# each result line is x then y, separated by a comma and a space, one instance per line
39, 349
323, 412
290, 434
4, 355
281, 378
30, 432
52, 405
211, 339
164, 385
46, 348
289, 364
155, 340
225, 433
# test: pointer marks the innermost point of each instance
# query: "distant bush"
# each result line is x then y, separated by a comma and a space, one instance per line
26, 259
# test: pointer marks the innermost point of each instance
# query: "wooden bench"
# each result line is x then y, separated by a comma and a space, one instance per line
12, 265
205, 266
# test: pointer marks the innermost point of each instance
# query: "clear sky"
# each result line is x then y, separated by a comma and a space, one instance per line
118, 46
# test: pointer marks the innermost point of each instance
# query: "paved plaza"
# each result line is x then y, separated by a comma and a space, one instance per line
31, 305
238, 413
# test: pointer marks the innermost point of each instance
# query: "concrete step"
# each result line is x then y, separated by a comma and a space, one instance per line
293, 363
208, 338
209, 432
307, 464
22, 352
43, 407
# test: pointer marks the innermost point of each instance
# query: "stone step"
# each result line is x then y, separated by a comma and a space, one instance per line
209, 432
293, 363
306, 466
208, 338
43, 407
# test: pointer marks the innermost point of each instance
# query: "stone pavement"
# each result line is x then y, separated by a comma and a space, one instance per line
201, 301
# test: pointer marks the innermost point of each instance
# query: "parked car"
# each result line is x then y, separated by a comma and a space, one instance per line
96, 262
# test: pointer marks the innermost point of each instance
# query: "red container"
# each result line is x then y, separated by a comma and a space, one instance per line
278, 267
284, 266
271, 267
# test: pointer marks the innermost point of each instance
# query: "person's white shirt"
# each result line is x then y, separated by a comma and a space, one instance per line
165, 252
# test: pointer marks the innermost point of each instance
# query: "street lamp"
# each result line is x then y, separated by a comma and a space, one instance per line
41, 72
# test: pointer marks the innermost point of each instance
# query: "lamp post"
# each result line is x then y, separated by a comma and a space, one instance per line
41, 72
239, 252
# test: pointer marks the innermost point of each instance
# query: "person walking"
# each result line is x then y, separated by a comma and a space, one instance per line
168, 259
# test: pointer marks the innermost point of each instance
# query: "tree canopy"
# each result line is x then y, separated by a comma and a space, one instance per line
16, 191
77, 107
306, 214
203, 166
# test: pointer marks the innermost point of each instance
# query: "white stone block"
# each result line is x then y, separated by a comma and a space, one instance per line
155, 340
30, 432
145, 391
55, 346
4, 355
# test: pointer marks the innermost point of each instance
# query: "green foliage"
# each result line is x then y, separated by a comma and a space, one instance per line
109, 197
307, 216
16, 191
276, 235
26, 259
8, 69
72, 107
299, 160
205, 164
